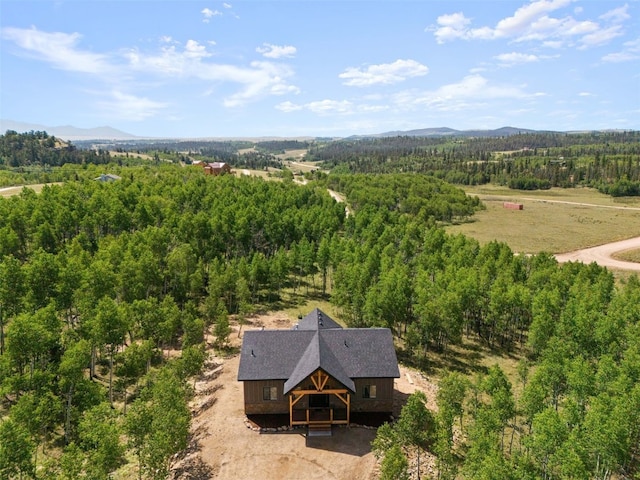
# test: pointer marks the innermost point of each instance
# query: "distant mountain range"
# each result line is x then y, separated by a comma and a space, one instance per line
71, 133
68, 132
450, 132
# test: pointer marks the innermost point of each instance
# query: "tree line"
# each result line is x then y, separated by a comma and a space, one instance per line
603, 160
39, 148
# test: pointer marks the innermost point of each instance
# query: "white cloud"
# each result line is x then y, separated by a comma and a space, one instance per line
59, 49
601, 37
194, 50
171, 62
617, 15
630, 51
472, 91
320, 107
263, 78
288, 107
519, 24
330, 106
619, 57
256, 80
451, 26
208, 14
276, 51
515, 58
226, 5
385, 74
130, 107
534, 22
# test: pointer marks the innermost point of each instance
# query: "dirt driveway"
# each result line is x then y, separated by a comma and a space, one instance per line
602, 255
224, 447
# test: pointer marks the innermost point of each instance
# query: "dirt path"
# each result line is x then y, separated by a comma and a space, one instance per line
224, 447
582, 204
602, 255
340, 199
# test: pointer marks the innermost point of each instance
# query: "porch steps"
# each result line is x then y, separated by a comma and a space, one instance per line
319, 430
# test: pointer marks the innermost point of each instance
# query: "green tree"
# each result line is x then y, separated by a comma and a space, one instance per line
192, 361
394, 465
243, 298
11, 292
16, 451
158, 424
416, 425
324, 260
74, 360
99, 436
386, 437
109, 327
549, 432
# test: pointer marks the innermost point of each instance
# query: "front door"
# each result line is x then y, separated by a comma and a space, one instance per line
319, 400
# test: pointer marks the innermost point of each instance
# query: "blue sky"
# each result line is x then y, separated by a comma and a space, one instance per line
320, 68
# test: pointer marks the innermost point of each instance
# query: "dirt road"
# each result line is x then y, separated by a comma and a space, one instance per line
602, 255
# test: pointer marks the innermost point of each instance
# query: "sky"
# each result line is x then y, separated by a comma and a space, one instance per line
193, 69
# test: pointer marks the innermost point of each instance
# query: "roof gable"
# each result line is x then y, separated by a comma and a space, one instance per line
318, 355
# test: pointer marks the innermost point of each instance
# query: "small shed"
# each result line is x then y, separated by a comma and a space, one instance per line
513, 206
107, 177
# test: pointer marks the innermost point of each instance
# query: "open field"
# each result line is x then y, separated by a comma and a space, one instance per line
10, 191
292, 154
143, 156
628, 256
555, 221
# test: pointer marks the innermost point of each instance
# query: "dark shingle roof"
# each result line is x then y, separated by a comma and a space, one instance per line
317, 320
293, 355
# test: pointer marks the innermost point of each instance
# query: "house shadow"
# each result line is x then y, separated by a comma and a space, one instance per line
355, 441
399, 401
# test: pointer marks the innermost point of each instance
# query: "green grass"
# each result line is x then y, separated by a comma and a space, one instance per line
628, 256
11, 191
547, 224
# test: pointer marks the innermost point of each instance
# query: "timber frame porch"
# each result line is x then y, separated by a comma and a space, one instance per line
321, 415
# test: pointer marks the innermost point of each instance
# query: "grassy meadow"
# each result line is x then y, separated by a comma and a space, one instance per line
555, 220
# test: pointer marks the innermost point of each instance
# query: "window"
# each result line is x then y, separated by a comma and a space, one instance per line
269, 393
369, 391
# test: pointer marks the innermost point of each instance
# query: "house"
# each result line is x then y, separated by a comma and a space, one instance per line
318, 373
107, 177
216, 168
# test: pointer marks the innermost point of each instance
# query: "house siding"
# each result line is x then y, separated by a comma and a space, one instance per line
384, 395
254, 404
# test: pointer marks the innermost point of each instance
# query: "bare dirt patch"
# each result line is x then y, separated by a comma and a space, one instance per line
223, 446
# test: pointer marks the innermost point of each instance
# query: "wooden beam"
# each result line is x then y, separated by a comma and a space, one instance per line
293, 400
324, 381
313, 392
319, 379
345, 401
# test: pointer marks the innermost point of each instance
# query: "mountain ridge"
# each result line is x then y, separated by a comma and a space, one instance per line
68, 132
71, 133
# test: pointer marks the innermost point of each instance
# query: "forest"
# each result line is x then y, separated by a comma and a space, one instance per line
608, 161
107, 291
